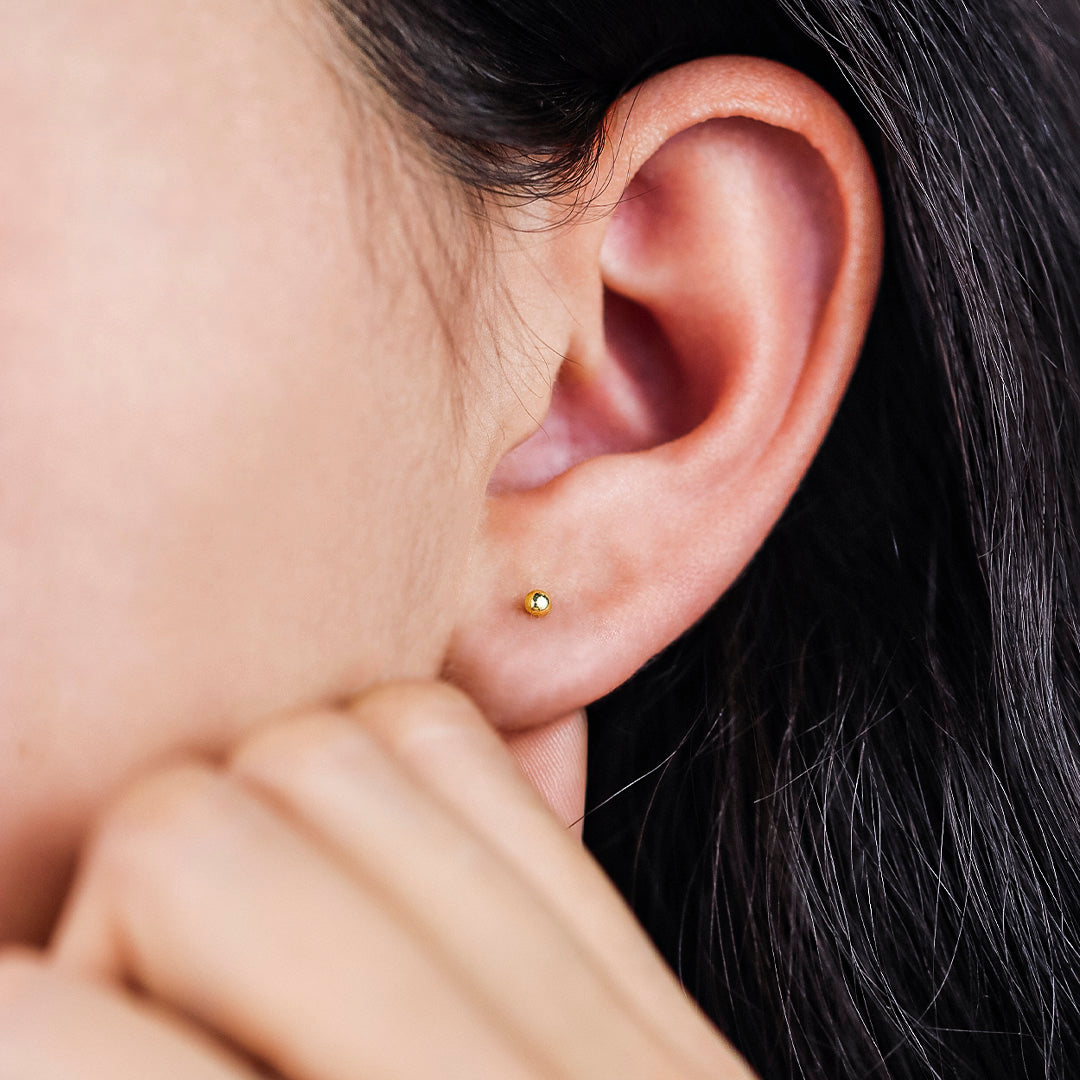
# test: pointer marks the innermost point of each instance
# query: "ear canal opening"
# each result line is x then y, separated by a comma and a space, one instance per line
636, 399
672, 401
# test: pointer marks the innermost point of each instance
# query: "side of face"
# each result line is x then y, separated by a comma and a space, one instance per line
259, 364
235, 475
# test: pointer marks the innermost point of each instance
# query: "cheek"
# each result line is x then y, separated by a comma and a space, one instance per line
232, 477
208, 525
230, 553
197, 535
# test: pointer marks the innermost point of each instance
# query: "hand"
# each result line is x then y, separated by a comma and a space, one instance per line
356, 895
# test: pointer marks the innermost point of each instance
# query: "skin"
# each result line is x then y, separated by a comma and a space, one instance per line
172, 575
258, 369
191, 532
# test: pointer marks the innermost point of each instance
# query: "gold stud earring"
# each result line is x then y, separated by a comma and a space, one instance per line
537, 604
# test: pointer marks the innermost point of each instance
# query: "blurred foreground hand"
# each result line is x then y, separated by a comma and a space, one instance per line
375, 893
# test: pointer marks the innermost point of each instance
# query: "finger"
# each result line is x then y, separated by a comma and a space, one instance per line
552, 758
202, 895
332, 776
55, 1027
447, 745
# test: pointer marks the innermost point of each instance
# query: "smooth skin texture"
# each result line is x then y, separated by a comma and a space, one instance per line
237, 476
340, 849
279, 425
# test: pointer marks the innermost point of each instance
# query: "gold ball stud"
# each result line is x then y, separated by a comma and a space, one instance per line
538, 604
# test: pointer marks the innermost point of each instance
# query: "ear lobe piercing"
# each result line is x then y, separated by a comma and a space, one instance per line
537, 604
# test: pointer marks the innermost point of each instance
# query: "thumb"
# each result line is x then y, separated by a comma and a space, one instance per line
553, 758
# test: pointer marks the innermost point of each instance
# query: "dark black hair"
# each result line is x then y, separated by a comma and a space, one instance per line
847, 803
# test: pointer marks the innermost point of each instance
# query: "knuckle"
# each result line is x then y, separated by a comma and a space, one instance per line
405, 712
155, 835
298, 748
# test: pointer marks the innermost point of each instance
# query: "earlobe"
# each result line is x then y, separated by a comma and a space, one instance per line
719, 309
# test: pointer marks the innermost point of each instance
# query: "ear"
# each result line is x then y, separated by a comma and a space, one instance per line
718, 307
